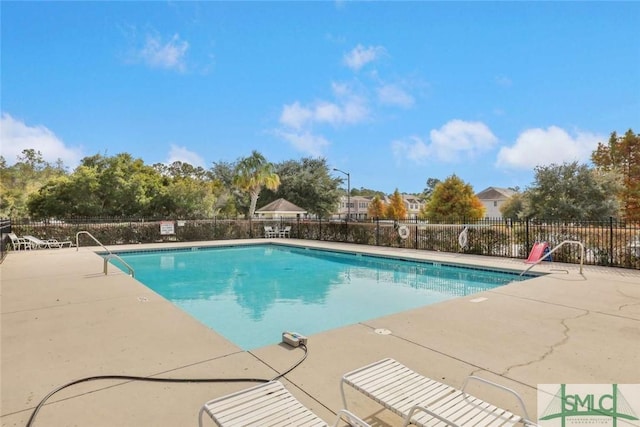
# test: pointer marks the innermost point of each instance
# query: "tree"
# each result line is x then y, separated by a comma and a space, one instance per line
376, 208
254, 173
366, 192
124, 186
109, 186
186, 197
396, 208
306, 183
514, 207
573, 192
431, 185
622, 156
229, 201
454, 199
24, 178
180, 169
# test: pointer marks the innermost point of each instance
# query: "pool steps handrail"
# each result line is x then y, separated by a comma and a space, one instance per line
109, 256
548, 254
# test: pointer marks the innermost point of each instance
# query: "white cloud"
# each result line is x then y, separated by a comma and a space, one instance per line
360, 56
306, 142
159, 54
538, 147
181, 154
348, 109
328, 112
391, 94
456, 139
17, 136
295, 116
415, 149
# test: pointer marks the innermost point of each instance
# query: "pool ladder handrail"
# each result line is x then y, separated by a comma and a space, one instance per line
548, 254
109, 256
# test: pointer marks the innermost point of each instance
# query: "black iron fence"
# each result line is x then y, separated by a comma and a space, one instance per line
5, 241
608, 243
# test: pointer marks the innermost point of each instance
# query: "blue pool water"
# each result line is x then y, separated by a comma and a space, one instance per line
251, 294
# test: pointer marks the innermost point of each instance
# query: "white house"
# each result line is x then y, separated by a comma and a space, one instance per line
493, 198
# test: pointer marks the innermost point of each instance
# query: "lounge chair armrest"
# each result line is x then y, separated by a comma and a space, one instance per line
499, 386
420, 408
351, 418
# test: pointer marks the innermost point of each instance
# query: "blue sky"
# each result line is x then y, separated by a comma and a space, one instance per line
392, 92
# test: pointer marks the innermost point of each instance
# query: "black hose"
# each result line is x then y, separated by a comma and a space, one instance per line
160, 380
306, 351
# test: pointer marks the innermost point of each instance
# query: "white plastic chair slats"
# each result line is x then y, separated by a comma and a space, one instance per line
395, 386
400, 389
269, 404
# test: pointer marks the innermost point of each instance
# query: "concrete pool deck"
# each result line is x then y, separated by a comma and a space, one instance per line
63, 319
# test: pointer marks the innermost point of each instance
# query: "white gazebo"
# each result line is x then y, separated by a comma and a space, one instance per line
278, 209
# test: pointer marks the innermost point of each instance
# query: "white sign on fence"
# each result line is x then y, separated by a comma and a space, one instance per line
167, 227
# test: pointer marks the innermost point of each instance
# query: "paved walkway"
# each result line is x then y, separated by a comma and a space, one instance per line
62, 319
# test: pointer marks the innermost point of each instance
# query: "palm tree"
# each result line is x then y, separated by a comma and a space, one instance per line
253, 173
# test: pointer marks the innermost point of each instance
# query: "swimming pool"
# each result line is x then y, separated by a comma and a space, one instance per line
250, 294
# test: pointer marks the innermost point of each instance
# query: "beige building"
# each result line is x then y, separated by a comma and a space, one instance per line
493, 198
413, 204
280, 208
357, 207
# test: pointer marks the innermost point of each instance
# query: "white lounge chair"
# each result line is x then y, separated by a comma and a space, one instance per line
268, 404
19, 243
51, 243
55, 243
425, 402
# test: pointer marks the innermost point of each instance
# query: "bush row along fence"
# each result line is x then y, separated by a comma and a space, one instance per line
607, 243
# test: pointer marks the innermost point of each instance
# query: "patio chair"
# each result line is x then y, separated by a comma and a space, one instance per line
19, 243
269, 232
286, 232
51, 243
267, 404
425, 402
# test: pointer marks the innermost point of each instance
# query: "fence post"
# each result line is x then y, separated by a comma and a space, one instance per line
377, 231
610, 241
526, 239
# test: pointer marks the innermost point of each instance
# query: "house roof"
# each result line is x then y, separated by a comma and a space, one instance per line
281, 205
493, 193
411, 198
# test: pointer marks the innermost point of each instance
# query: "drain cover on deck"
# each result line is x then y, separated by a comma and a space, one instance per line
382, 331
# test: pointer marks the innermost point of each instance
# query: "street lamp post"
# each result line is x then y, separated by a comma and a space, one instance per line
348, 191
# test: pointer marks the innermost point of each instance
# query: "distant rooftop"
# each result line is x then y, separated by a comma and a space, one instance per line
281, 205
492, 193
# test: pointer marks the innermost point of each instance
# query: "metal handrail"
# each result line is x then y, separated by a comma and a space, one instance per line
548, 254
110, 254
